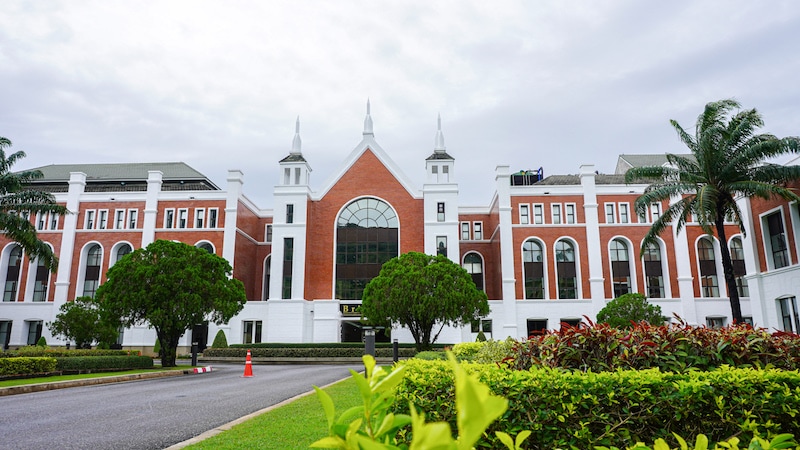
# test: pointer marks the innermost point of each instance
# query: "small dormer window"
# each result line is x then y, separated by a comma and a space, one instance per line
435, 169
445, 169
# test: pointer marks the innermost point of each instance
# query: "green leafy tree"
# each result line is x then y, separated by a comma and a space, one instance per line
727, 162
81, 321
627, 309
171, 286
18, 202
418, 291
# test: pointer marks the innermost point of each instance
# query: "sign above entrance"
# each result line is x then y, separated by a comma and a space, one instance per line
350, 310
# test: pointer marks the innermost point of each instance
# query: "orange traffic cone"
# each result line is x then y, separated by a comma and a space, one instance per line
248, 366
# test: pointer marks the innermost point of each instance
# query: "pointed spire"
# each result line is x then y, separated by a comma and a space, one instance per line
368, 123
439, 148
296, 143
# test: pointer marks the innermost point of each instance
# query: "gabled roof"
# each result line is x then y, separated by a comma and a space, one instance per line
626, 162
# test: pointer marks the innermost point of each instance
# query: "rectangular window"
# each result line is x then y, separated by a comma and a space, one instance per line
538, 214
441, 245
41, 221
133, 218
251, 331
477, 231
5, 334
288, 258
290, 213
169, 218
777, 241
655, 211
183, 218
199, 217
89, 220
287, 175
715, 322
296, 175
212, 218
524, 215
610, 213
53, 221
34, 331
435, 169
787, 310
624, 213
268, 233
119, 219
440, 212
569, 212
464, 231
555, 210
102, 220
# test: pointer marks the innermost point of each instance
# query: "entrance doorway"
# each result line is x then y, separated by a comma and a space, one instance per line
200, 335
353, 331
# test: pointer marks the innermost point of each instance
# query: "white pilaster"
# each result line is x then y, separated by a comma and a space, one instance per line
77, 183
685, 280
154, 178
234, 192
503, 183
593, 246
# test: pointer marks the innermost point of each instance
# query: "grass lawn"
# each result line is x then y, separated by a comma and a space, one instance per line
291, 426
24, 381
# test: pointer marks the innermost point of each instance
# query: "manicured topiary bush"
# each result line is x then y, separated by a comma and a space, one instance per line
42, 342
625, 310
571, 408
220, 341
100, 363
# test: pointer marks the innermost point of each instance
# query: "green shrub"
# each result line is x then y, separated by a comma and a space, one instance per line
675, 348
42, 342
99, 363
34, 350
628, 309
26, 366
305, 352
564, 409
481, 337
466, 351
157, 347
220, 341
430, 355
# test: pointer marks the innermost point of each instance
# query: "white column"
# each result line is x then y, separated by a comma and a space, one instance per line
593, 248
685, 280
509, 329
235, 182
77, 183
154, 178
759, 306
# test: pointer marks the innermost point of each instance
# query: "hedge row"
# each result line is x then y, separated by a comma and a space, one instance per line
26, 366
100, 363
36, 351
326, 345
676, 348
564, 409
305, 352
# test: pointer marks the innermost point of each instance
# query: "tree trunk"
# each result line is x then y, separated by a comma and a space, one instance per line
727, 268
169, 345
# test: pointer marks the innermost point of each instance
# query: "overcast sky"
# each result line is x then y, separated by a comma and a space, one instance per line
218, 85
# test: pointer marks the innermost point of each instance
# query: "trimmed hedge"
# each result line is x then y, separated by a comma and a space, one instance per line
305, 352
26, 366
36, 351
103, 363
564, 409
327, 345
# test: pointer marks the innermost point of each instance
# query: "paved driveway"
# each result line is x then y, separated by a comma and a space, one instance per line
151, 414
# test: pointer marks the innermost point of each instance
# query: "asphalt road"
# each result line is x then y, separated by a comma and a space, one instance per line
151, 414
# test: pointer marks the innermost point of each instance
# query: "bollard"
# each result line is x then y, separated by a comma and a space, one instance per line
194, 354
395, 350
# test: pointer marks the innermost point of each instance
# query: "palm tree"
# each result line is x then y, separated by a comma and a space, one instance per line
727, 163
18, 203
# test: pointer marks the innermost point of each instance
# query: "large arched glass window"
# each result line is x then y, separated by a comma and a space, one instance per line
91, 279
653, 271
366, 237
739, 271
41, 281
620, 267
122, 250
473, 264
12, 274
533, 267
709, 285
206, 246
566, 270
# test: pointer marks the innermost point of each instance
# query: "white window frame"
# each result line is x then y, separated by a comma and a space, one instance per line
626, 216
102, 219
169, 218
655, 211
610, 209
465, 228
133, 219
119, 219
555, 213
183, 218
769, 254
213, 213
570, 217
477, 231
537, 213
90, 219
199, 218
524, 214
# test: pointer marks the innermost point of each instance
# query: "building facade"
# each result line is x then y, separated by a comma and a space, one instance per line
546, 250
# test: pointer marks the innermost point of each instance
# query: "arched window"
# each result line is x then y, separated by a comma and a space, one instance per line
567, 275
709, 285
91, 279
267, 267
473, 264
620, 267
653, 271
12, 274
739, 271
533, 267
206, 246
41, 281
366, 237
122, 250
